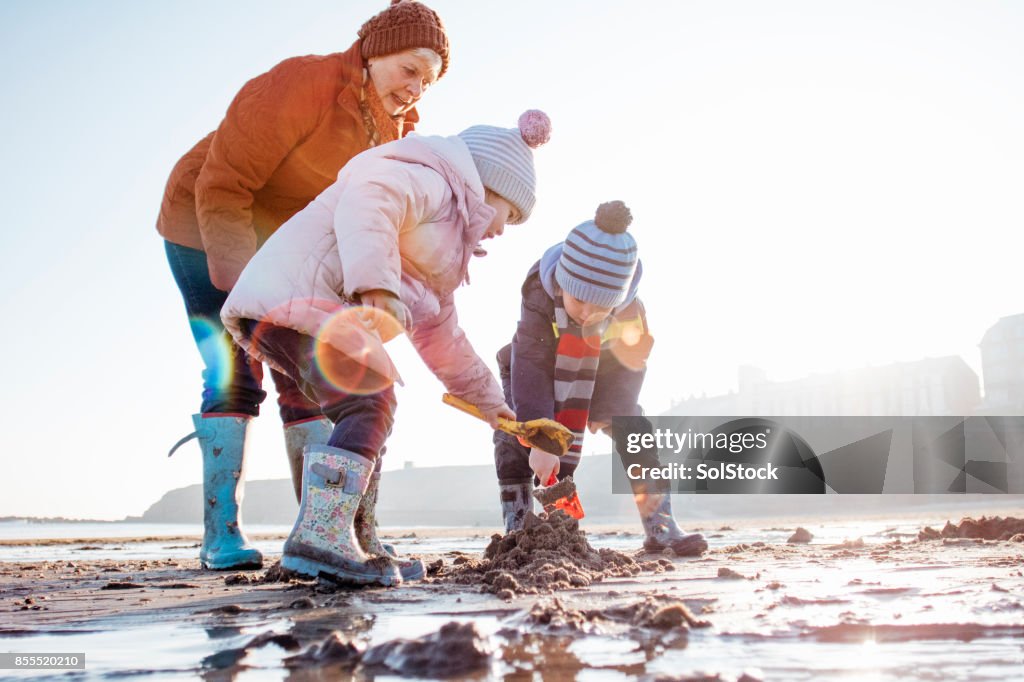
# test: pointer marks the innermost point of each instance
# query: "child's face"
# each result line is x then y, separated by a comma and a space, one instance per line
504, 213
583, 313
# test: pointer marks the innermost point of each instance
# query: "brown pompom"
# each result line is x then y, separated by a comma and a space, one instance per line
613, 217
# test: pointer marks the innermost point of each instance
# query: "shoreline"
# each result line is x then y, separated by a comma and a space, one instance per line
952, 604
924, 516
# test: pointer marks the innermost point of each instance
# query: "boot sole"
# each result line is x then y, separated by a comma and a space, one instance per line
315, 569
416, 572
694, 547
235, 562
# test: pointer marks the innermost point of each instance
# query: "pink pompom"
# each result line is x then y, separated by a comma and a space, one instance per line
535, 127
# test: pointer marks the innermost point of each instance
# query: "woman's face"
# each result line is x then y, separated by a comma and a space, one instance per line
400, 79
504, 213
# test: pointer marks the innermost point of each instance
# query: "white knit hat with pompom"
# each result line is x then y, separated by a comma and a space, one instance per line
504, 158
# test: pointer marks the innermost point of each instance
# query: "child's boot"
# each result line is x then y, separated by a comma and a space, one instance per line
222, 440
661, 528
323, 540
366, 533
516, 503
297, 436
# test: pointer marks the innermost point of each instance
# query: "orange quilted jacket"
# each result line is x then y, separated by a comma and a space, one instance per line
282, 141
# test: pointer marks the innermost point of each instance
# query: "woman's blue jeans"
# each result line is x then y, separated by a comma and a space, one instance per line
232, 382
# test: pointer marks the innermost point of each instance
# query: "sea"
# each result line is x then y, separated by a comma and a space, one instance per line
119, 540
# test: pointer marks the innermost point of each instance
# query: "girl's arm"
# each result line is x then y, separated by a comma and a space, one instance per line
448, 353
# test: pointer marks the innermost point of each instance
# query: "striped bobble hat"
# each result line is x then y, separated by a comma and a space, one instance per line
504, 158
599, 257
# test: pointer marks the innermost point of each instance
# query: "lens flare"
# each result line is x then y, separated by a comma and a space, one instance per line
215, 349
350, 350
631, 335
632, 348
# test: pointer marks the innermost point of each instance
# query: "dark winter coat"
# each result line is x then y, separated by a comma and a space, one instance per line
528, 364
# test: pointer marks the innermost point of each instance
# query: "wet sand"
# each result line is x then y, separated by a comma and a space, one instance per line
888, 606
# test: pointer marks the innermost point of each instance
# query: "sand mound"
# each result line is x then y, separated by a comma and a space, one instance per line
655, 612
985, 528
800, 536
552, 555
455, 649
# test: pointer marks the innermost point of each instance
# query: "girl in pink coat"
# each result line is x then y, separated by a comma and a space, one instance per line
380, 251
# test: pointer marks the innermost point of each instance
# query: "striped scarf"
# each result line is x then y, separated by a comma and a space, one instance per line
576, 358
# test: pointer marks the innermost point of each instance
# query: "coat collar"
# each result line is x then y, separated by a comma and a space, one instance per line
352, 65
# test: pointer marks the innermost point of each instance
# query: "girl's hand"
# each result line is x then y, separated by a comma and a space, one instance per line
544, 465
491, 416
389, 311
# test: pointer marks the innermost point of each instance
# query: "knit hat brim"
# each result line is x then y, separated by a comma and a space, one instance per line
587, 289
508, 185
403, 26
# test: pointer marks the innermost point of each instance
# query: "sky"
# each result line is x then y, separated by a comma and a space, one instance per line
815, 186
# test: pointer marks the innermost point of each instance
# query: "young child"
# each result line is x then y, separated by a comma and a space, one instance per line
578, 357
382, 249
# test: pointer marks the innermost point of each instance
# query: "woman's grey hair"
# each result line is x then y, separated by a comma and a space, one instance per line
431, 57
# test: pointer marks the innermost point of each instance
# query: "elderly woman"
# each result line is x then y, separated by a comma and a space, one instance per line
283, 140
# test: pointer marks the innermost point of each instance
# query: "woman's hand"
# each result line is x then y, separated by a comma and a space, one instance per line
544, 465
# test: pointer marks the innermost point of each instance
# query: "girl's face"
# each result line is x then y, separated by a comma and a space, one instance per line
504, 213
400, 79
583, 313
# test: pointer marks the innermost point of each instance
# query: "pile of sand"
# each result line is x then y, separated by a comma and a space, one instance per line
986, 528
655, 612
549, 556
456, 649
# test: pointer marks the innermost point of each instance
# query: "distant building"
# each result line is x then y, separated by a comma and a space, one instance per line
1002, 366
934, 386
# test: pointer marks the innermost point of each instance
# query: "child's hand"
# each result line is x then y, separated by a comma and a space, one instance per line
598, 426
544, 464
386, 302
491, 416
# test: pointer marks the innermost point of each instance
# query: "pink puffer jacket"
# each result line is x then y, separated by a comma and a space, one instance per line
405, 217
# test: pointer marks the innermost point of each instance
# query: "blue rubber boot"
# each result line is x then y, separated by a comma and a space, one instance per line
661, 528
366, 533
297, 436
323, 541
225, 546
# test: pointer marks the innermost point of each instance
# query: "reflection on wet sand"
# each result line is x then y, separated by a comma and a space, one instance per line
889, 601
